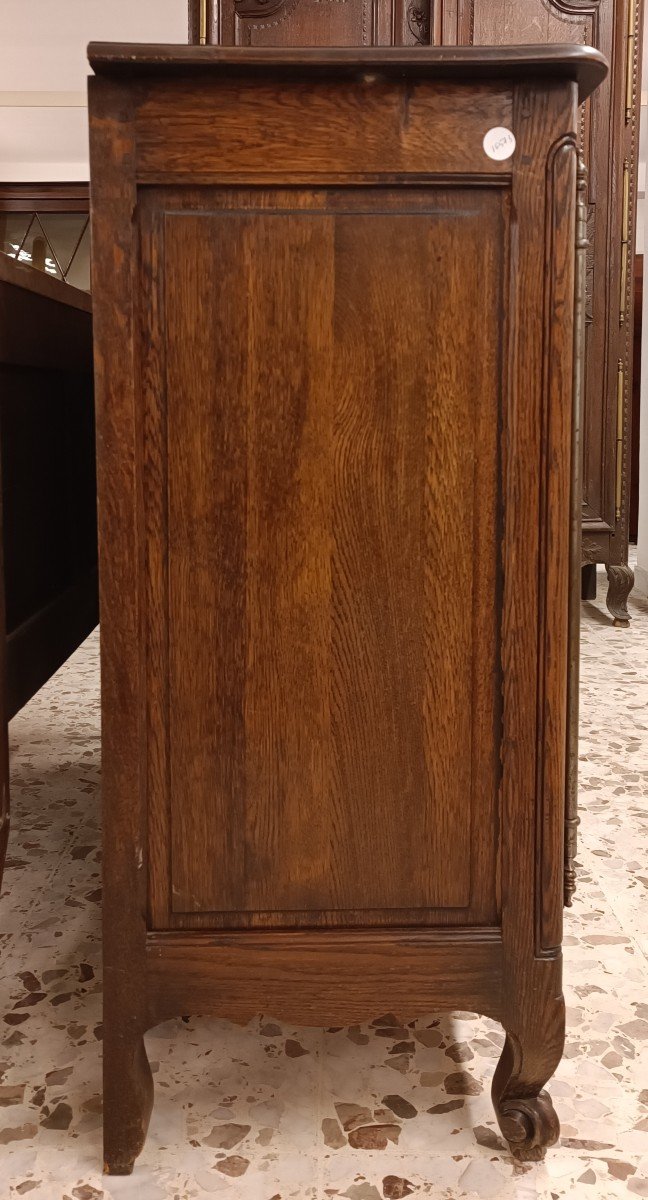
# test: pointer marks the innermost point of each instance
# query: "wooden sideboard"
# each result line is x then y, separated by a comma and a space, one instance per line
337, 338
608, 136
48, 533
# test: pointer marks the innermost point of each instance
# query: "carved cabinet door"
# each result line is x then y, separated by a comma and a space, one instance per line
608, 136
310, 22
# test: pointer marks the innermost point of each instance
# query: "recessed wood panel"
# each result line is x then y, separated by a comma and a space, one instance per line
331, 715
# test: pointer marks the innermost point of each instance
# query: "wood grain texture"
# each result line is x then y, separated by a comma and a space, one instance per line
555, 502
364, 127
607, 139
582, 64
127, 1077
317, 978
310, 542
318, 407
534, 1011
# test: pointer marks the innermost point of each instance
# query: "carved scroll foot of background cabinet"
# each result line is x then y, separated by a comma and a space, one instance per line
620, 584
128, 1099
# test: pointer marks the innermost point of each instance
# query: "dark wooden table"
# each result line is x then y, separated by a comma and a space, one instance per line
48, 582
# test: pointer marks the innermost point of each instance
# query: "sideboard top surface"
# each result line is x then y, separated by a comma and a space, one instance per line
584, 65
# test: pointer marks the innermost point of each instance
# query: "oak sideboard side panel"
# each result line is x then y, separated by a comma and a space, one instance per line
329, 378
318, 641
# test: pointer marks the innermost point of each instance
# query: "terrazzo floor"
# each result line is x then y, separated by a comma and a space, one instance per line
270, 1112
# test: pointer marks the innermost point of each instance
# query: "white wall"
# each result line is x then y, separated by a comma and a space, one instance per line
641, 571
43, 71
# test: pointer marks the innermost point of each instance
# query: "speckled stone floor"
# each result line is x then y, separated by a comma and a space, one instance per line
271, 1112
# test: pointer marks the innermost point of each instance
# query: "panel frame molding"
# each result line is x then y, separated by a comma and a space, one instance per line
156, 205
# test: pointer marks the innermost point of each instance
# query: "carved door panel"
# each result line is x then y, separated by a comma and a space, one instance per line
508, 22
316, 22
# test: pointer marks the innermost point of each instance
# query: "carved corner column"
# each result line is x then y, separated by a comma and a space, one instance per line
571, 789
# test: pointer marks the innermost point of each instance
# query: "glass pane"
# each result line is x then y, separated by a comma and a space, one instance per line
79, 271
13, 227
37, 252
63, 231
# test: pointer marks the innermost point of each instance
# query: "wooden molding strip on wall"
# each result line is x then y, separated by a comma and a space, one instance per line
44, 197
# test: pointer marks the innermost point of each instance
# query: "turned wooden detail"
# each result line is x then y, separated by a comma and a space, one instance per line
571, 849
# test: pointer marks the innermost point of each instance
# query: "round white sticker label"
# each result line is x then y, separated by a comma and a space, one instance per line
499, 143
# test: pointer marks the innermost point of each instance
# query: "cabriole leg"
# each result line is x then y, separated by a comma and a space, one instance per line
524, 1110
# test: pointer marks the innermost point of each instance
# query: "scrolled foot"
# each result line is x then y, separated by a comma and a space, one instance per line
524, 1110
529, 1126
620, 584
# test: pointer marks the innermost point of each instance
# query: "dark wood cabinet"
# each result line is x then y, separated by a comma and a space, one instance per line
608, 137
337, 332
48, 528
